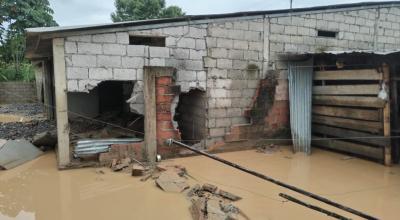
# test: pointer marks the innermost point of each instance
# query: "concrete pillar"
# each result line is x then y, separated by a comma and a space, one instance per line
60, 82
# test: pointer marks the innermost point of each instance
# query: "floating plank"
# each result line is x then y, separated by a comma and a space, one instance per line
368, 126
371, 152
355, 101
353, 113
366, 74
372, 89
362, 137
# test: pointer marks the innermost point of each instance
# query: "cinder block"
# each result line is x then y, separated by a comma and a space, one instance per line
219, 93
241, 25
180, 53
124, 74
202, 76
240, 44
72, 85
114, 49
217, 132
235, 54
210, 62
258, 46
200, 44
223, 103
256, 26
70, 47
194, 64
77, 73
218, 52
174, 30
159, 52
224, 63
211, 42
132, 62
277, 28
251, 55
218, 73
234, 112
187, 43
80, 38
89, 48
224, 43
291, 30
222, 122
197, 54
122, 38
187, 75
105, 38
137, 50
197, 32
157, 62
84, 60
239, 64
108, 61
100, 73
217, 112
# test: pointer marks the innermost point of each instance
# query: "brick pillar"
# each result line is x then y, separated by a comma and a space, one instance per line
165, 128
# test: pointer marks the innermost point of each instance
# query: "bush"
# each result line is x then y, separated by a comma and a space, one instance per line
8, 72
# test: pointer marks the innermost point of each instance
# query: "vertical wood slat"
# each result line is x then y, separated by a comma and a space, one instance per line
386, 117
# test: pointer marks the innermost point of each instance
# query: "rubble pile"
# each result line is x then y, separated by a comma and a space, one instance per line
207, 201
25, 130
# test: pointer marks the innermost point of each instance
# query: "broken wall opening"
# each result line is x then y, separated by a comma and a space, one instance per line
190, 115
104, 112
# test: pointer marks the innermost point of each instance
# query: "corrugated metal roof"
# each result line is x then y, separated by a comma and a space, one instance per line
204, 17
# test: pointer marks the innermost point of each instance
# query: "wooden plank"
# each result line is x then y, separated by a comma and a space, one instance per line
386, 117
353, 113
372, 89
371, 152
346, 133
361, 74
355, 101
368, 126
60, 81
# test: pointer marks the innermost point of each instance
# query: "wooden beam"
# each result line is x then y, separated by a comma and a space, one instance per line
361, 74
386, 116
60, 81
346, 133
355, 101
371, 152
368, 126
347, 90
353, 113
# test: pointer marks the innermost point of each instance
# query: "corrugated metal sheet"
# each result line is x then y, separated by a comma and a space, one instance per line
300, 98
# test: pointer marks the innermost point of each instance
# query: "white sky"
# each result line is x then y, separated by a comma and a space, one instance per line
77, 12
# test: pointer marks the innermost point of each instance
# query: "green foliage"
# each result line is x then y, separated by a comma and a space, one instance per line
8, 72
130, 10
15, 17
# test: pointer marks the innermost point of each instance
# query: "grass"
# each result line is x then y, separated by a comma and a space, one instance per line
8, 72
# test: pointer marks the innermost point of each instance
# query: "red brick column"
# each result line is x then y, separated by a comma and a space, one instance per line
165, 128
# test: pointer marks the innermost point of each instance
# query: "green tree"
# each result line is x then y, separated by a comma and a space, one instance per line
15, 16
130, 10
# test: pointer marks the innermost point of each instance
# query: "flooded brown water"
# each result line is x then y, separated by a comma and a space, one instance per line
37, 190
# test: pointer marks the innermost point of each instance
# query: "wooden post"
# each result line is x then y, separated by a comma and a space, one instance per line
386, 117
60, 82
150, 125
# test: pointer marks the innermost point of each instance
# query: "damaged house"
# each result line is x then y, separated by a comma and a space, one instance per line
211, 80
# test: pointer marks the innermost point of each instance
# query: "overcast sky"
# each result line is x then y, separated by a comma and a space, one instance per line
77, 12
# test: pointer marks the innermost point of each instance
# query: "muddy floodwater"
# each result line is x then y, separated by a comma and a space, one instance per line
37, 190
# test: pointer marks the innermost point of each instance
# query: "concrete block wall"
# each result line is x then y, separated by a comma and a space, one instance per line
234, 62
227, 58
17, 92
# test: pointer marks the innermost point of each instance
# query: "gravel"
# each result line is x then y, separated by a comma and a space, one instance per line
26, 109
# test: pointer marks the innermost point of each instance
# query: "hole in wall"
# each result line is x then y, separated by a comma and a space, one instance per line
190, 115
147, 40
104, 112
324, 33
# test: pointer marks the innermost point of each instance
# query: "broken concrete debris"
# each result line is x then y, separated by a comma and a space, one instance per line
138, 170
270, 149
118, 165
170, 181
208, 204
45, 140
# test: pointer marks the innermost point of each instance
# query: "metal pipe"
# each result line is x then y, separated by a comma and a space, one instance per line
277, 182
313, 207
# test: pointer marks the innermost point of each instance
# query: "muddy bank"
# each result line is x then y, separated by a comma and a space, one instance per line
37, 190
